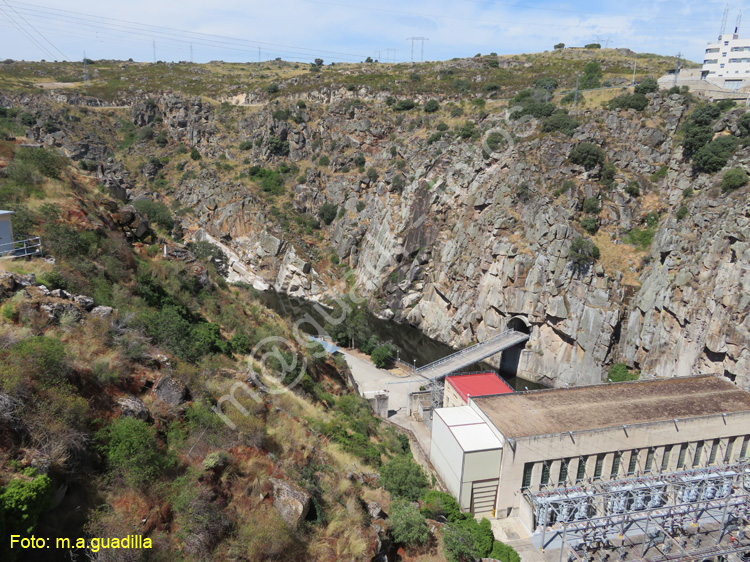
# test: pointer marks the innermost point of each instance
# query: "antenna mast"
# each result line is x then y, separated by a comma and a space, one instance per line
739, 21
724, 21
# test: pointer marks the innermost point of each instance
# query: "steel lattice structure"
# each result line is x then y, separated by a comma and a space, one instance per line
600, 513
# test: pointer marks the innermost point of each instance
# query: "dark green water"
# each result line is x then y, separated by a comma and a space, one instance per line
415, 347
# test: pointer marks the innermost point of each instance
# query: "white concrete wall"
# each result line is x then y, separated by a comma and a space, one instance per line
6, 235
728, 58
446, 455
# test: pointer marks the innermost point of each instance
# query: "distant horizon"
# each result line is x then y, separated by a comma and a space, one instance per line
347, 31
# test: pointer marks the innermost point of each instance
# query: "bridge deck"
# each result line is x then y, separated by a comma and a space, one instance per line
472, 354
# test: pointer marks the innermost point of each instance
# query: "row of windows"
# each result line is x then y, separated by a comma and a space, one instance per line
735, 49
710, 61
713, 448
713, 50
739, 60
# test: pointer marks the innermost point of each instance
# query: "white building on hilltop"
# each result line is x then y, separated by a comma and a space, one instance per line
727, 62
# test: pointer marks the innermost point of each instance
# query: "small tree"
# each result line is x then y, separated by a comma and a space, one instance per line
404, 478
318, 62
592, 74
431, 106
583, 253
327, 212
647, 86
559, 46
587, 155
591, 206
408, 525
458, 543
383, 355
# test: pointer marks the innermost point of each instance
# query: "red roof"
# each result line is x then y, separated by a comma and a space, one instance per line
479, 384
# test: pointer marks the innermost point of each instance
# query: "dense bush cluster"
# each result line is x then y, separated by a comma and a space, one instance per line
587, 155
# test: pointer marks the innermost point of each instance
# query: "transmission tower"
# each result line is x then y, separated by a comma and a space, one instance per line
388, 54
739, 21
85, 69
412, 39
677, 68
724, 21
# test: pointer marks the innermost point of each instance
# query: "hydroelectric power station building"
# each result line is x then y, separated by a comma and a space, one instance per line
595, 453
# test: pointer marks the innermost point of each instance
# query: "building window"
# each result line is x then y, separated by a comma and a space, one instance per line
714, 452
665, 458
599, 467
698, 453
615, 465
633, 462
563, 477
581, 469
743, 451
681, 458
728, 453
650, 460
545, 474
527, 470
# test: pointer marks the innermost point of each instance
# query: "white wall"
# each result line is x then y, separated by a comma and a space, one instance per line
446, 455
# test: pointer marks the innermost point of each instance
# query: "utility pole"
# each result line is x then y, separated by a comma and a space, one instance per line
377, 56
677, 68
258, 55
153, 45
85, 69
575, 97
388, 54
191, 52
635, 65
412, 39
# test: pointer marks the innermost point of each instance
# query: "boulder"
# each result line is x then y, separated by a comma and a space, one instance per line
133, 407
170, 391
291, 503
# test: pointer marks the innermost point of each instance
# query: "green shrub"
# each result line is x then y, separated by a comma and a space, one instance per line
48, 162
458, 543
21, 504
161, 139
403, 478
38, 358
733, 179
587, 155
324, 160
504, 552
240, 343
647, 86
591, 206
714, 156
383, 355
593, 46
659, 174
437, 504
272, 89
632, 189
743, 123
619, 372
682, 212
156, 213
359, 160
434, 137
145, 133
246, 145
372, 174
408, 525
590, 224
431, 106
636, 101
278, 147
608, 174
404, 105
210, 253
132, 450
592, 75
194, 154
560, 121
583, 253
327, 212
280, 115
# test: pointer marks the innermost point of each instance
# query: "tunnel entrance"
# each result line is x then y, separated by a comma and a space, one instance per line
511, 356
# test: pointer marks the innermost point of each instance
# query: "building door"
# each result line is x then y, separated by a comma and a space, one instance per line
483, 495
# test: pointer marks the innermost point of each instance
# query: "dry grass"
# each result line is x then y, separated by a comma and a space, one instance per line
618, 257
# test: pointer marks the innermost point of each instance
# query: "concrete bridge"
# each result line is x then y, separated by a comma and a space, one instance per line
472, 354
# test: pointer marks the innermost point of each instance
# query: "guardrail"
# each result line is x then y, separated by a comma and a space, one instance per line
466, 350
22, 246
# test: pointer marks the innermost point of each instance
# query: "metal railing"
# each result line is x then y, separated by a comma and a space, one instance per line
467, 350
22, 246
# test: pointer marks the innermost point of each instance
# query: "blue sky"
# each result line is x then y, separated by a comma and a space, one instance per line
348, 30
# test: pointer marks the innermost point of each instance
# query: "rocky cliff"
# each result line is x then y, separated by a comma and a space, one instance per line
462, 243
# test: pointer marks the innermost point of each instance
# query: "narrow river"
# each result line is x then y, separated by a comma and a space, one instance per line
415, 347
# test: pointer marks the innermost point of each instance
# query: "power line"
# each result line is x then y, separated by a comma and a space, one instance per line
412, 39
37, 31
28, 35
